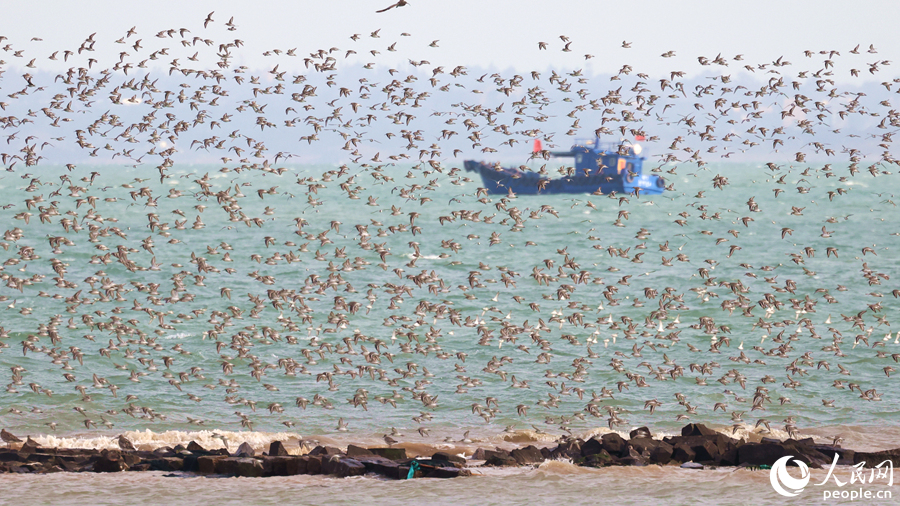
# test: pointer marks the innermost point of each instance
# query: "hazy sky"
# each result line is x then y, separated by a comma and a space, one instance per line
491, 33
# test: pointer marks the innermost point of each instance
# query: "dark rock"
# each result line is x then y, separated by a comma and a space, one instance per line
845, 456
758, 454
614, 444
444, 456
194, 447
245, 450
226, 465
296, 465
164, 451
633, 458
109, 462
528, 455
40, 457
729, 457
358, 451
55, 469
498, 452
12, 456
806, 453
599, 459
342, 466
498, 460
591, 447
167, 464
189, 463
27, 450
444, 472
697, 429
239, 466
390, 453
78, 452
277, 449
314, 464
644, 445
249, 468
640, 432
710, 448
683, 453
382, 466
289, 465
275, 465
143, 466
325, 451
873, 459
329, 464
206, 464
478, 455
568, 449
662, 453
130, 458
706, 451
67, 463
632, 461
350, 467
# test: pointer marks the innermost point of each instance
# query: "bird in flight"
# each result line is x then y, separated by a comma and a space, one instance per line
400, 3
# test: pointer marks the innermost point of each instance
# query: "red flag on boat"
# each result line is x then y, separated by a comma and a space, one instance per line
537, 146
639, 137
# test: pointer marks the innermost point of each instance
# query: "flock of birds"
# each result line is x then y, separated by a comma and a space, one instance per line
96, 114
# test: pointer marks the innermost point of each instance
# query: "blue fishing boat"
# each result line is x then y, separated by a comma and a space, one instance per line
600, 168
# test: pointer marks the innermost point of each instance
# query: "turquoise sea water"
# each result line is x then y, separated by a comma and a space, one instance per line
329, 312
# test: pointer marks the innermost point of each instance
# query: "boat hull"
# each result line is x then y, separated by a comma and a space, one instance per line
502, 181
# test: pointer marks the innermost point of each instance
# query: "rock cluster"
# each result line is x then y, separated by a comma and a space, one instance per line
698, 446
388, 462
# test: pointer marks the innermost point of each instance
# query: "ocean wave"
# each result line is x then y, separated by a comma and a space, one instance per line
150, 440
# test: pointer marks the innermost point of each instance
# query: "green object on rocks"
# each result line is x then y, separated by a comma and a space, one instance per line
413, 466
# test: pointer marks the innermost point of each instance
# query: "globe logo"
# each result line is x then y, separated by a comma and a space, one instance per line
784, 483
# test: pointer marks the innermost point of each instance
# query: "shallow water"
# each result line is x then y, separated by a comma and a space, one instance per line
553, 482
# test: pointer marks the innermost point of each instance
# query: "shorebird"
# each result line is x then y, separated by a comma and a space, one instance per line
216, 435
125, 444
400, 3
8, 437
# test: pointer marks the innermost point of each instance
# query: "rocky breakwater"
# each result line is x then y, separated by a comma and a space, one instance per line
698, 446
387, 462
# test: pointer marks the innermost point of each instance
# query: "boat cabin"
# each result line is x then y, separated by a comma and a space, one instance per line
593, 157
